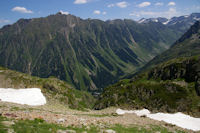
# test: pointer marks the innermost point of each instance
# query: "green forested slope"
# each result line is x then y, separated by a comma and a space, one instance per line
89, 54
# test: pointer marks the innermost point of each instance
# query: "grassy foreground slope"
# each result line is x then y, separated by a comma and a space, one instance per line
55, 90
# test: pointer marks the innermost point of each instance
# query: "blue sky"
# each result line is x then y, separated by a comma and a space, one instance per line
12, 10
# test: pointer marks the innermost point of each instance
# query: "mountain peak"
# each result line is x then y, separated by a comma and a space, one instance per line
174, 20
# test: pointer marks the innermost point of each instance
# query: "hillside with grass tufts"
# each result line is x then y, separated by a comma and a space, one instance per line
57, 92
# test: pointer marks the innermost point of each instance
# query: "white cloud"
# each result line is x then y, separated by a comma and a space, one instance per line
21, 10
104, 13
171, 3
159, 4
4, 21
134, 14
80, 1
122, 4
171, 12
97, 12
64, 12
111, 5
144, 4
143, 13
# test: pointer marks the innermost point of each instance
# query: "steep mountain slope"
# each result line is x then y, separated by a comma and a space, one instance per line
89, 54
171, 86
57, 92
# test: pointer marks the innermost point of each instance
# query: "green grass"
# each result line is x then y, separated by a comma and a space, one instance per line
40, 126
35, 126
139, 129
99, 115
3, 128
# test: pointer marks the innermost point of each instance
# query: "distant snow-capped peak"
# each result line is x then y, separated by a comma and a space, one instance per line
182, 19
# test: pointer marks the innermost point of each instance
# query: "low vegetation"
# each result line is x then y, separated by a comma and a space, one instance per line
40, 126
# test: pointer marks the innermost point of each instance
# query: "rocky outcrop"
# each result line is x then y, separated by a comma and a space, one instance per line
189, 70
197, 85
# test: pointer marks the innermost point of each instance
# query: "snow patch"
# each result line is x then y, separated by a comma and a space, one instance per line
142, 112
142, 20
167, 22
29, 96
64, 13
155, 20
138, 112
121, 112
195, 18
178, 119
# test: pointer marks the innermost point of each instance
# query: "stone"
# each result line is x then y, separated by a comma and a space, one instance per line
11, 131
61, 120
66, 131
8, 123
109, 131
70, 131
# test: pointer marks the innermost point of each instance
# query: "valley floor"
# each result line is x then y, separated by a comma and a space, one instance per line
64, 118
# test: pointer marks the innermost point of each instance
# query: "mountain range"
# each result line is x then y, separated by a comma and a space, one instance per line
181, 23
89, 54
